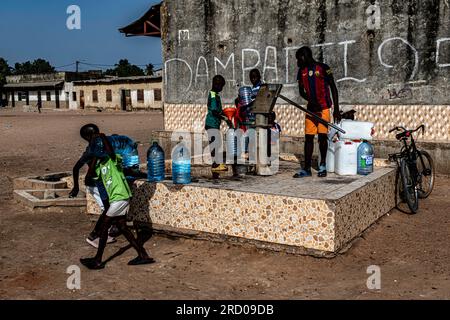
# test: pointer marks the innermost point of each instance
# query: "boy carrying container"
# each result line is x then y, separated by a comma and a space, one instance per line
108, 167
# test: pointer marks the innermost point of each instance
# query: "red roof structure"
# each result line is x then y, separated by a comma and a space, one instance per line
148, 25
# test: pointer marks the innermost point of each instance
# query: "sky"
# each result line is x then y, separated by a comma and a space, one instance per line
32, 29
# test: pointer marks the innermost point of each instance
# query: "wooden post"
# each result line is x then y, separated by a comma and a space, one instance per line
13, 100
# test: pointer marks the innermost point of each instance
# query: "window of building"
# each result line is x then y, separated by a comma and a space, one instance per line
140, 95
74, 96
48, 96
108, 95
94, 95
158, 95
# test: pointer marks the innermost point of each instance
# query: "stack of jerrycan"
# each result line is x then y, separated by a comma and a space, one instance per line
344, 153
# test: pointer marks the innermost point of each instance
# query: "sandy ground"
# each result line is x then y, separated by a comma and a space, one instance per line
36, 249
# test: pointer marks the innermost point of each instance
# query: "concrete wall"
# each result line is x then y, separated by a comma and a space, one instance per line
148, 103
401, 58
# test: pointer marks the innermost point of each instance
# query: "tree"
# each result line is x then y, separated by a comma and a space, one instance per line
37, 66
5, 70
125, 69
150, 70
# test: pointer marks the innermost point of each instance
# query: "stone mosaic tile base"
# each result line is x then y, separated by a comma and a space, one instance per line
318, 214
190, 117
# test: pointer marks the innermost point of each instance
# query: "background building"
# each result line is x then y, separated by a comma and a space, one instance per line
52, 90
126, 93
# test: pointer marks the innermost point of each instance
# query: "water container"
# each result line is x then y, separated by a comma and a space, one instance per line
346, 158
126, 148
131, 159
245, 96
181, 164
155, 163
365, 158
331, 156
231, 140
356, 130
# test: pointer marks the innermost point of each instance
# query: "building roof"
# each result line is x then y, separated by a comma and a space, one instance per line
35, 85
118, 80
147, 25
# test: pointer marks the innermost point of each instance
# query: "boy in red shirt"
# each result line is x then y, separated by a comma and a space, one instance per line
315, 81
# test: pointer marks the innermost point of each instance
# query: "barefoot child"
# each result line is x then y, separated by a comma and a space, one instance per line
109, 169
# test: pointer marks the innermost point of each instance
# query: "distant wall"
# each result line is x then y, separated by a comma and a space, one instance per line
401, 58
133, 103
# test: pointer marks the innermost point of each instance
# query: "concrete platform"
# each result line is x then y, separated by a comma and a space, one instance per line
312, 216
48, 181
51, 199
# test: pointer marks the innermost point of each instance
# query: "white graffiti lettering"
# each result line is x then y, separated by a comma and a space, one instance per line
225, 66
346, 77
274, 67
416, 55
246, 69
201, 75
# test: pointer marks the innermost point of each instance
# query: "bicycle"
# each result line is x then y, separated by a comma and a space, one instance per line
415, 168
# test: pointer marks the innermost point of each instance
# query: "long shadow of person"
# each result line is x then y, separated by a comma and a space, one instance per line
139, 214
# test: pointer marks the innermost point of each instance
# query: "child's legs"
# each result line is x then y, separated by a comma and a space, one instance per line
322, 131
96, 194
121, 223
103, 196
106, 223
215, 142
323, 147
118, 211
309, 149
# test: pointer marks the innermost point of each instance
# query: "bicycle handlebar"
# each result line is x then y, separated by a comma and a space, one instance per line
397, 129
422, 126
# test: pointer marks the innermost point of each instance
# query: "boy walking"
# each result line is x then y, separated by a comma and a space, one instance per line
108, 168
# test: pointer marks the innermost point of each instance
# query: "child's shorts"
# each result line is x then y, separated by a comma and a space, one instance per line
118, 209
313, 127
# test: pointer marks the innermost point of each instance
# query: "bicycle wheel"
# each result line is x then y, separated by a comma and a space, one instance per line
409, 187
425, 182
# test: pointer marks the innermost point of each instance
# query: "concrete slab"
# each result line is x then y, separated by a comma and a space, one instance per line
51, 200
48, 181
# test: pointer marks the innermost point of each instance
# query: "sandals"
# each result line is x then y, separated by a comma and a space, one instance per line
303, 173
322, 172
140, 261
92, 264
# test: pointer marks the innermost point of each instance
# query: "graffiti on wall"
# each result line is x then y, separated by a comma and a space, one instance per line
236, 66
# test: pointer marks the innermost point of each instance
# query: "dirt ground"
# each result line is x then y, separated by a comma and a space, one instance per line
36, 249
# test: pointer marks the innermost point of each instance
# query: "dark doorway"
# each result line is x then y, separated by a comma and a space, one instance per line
81, 99
126, 100
57, 98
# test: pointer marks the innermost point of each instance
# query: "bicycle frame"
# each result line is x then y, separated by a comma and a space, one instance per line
410, 153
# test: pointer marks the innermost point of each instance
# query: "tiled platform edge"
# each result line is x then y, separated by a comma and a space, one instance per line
317, 226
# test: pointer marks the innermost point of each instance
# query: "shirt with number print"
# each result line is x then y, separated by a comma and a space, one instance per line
116, 185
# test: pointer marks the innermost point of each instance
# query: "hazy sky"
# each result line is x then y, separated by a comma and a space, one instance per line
31, 29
